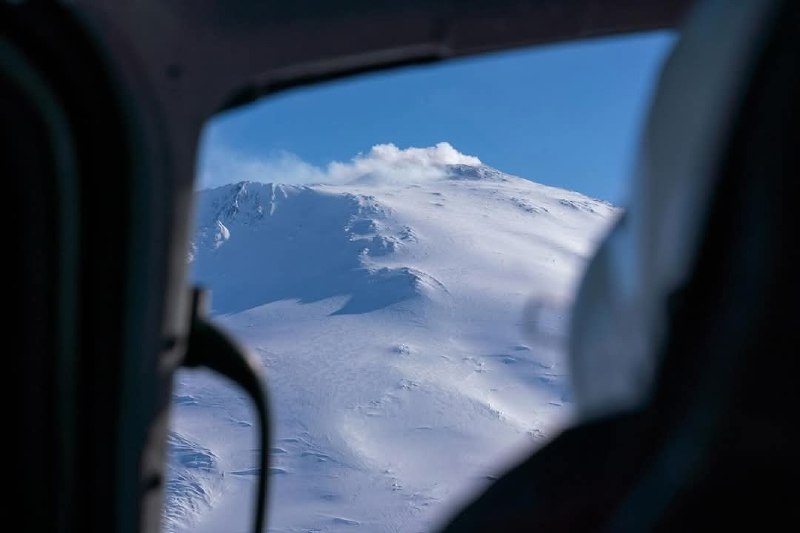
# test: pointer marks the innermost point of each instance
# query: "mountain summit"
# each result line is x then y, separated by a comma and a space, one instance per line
258, 243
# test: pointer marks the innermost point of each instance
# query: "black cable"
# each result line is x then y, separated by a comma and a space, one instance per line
213, 349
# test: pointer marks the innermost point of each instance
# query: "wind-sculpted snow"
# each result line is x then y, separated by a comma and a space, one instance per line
411, 332
193, 477
260, 243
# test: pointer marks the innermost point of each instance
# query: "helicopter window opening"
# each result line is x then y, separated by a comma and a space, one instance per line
400, 251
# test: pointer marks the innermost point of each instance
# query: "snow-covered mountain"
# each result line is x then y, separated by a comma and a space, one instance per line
390, 316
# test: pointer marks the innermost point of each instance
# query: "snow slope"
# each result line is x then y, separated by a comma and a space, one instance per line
389, 314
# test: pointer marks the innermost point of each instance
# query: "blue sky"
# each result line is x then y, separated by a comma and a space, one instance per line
567, 115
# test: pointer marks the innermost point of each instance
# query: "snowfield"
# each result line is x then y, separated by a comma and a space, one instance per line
411, 334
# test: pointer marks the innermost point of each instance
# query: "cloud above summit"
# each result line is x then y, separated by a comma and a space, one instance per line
383, 163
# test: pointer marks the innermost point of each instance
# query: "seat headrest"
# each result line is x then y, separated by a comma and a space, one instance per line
619, 319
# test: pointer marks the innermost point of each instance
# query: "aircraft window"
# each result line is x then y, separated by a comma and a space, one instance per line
400, 251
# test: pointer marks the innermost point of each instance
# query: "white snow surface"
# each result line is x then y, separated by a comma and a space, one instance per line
410, 332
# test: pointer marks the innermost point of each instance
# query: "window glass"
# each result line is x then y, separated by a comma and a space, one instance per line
400, 251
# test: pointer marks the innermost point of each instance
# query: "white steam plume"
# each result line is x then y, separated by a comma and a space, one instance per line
383, 163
